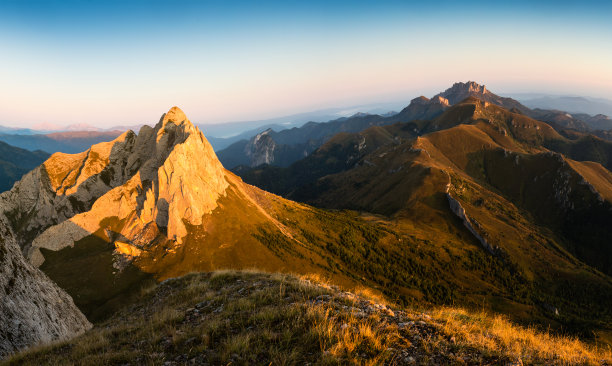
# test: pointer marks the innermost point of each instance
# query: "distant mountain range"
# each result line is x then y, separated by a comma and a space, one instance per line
287, 146
66, 142
571, 104
282, 148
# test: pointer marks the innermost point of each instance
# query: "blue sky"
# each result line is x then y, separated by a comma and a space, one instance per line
118, 62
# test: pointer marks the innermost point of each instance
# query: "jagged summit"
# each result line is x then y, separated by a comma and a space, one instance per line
175, 115
420, 100
155, 183
459, 91
177, 126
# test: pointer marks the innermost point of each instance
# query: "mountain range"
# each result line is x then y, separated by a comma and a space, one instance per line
463, 199
568, 103
282, 148
66, 142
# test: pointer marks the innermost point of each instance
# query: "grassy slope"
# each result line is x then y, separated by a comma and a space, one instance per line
255, 318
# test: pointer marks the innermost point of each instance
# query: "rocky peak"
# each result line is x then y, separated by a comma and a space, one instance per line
469, 87
157, 182
460, 91
260, 149
174, 122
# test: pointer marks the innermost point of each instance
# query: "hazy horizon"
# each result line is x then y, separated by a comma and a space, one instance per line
107, 63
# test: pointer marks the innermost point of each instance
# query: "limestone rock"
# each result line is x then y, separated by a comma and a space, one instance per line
260, 149
166, 176
33, 310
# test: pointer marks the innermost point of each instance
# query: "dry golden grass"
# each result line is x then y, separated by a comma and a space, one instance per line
257, 318
494, 333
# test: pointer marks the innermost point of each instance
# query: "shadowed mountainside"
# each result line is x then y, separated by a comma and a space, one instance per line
15, 162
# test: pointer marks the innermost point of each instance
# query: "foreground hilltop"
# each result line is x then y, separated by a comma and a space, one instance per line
255, 318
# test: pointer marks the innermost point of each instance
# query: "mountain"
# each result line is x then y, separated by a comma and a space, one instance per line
34, 309
231, 129
287, 146
499, 173
577, 121
220, 143
283, 148
340, 153
16, 130
460, 91
15, 162
67, 142
469, 135
422, 108
262, 318
72, 127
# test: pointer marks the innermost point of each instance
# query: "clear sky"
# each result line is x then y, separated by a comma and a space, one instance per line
119, 62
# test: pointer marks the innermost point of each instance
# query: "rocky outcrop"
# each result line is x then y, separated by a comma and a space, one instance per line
158, 181
460, 91
458, 210
33, 310
260, 149
423, 108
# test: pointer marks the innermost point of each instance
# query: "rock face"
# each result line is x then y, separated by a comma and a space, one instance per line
458, 210
132, 178
260, 149
33, 309
460, 91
